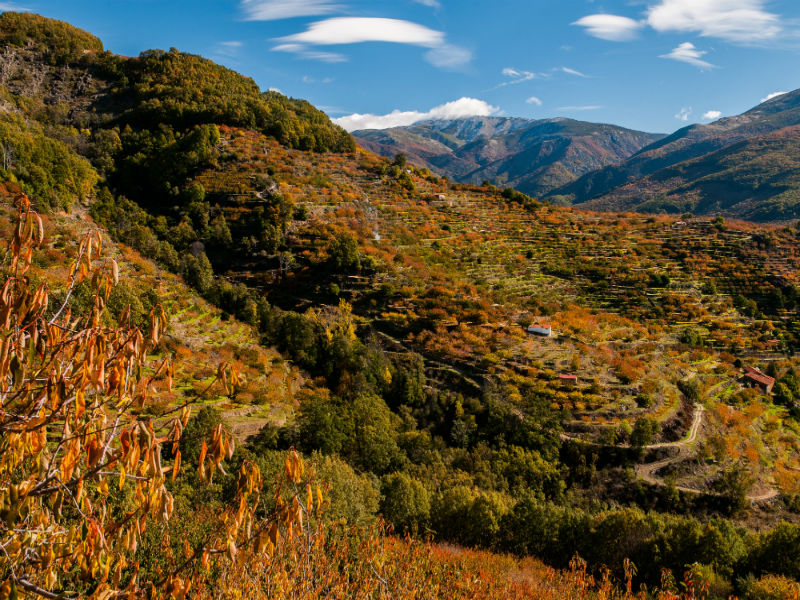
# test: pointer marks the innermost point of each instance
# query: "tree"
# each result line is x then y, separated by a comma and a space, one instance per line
734, 484
644, 430
343, 253
405, 502
82, 472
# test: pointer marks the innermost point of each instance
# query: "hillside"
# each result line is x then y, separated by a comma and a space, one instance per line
739, 166
534, 157
373, 318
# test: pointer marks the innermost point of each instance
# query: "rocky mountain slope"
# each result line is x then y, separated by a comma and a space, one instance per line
743, 166
532, 156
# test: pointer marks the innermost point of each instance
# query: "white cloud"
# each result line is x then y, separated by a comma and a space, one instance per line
12, 6
463, 107
516, 76
610, 27
569, 71
448, 56
271, 10
534, 100
712, 115
580, 108
772, 95
356, 30
733, 20
303, 52
688, 53
684, 114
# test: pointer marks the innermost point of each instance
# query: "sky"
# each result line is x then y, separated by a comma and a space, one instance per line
651, 65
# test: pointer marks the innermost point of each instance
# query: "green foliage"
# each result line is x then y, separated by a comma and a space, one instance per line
405, 502
644, 431
362, 430
690, 388
185, 90
343, 253
352, 497
776, 552
734, 484
46, 169
57, 41
467, 515
691, 337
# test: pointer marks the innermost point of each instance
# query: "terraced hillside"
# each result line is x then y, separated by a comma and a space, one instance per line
380, 315
638, 304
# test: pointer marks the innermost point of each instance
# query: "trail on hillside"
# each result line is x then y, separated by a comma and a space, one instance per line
648, 472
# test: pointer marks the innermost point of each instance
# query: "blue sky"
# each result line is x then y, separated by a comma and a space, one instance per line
653, 65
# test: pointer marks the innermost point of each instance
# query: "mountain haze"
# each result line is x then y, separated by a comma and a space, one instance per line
533, 156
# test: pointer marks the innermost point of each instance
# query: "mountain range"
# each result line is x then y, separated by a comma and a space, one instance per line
746, 166
533, 156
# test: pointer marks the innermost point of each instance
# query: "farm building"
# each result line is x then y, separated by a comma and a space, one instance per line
568, 379
755, 378
541, 330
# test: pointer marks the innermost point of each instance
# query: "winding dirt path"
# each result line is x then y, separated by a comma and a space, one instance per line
647, 472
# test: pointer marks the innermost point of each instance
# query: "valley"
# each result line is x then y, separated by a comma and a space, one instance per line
368, 358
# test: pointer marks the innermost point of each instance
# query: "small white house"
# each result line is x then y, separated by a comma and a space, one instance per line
541, 330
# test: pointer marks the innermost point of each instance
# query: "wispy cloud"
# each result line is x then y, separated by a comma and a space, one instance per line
304, 52
534, 100
356, 30
569, 71
772, 95
227, 49
273, 10
580, 108
12, 6
458, 109
684, 114
515, 76
308, 79
613, 28
712, 115
743, 21
688, 53
432, 3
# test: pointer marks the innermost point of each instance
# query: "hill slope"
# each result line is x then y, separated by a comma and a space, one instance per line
397, 303
741, 166
531, 156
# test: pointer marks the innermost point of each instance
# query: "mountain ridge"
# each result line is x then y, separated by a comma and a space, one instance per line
619, 186
532, 155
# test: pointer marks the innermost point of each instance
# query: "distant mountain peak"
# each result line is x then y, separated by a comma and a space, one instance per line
534, 156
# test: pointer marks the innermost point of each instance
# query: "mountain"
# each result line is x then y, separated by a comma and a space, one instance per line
373, 320
533, 156
744, 166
